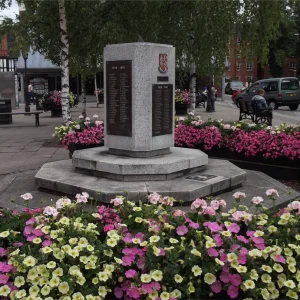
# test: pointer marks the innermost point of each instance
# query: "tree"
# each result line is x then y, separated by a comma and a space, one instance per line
64, 62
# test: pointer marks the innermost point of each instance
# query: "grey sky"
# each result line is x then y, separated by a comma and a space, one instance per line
10, 12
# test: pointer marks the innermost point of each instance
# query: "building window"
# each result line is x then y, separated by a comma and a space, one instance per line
238, 66
238, 54
293, 65
249, 67
249, 78
237, 78
238, 39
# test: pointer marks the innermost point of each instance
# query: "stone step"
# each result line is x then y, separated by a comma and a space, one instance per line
218, 176
177, 163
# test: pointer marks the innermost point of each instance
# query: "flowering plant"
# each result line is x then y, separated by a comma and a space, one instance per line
99, 91
246, 138
182, 97
85, 132
53, 98
151, 251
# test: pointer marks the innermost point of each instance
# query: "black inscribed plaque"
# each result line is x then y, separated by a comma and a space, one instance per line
119, 97
162, 78
162, 109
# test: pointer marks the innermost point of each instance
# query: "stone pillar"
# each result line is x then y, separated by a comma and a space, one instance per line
139, 81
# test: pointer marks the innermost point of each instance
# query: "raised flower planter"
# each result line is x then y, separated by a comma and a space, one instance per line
182, 101
273, 150
82, 134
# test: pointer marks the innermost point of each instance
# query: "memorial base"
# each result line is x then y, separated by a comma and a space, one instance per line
140, 154
61, 177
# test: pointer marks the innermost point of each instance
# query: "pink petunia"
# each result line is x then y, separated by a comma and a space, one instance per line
118, 292
218, 240
224, 277
127, 260
147, 288
235, 279
46, 243
178, 213
134, 293
3, 279
182, 230
194, 225
233, 292
234, 228
280, 258
242, 259
216, 287
2, 252
130, 273
213, 226
212, 252
242, 239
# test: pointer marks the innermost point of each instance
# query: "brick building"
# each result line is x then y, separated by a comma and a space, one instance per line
249, 71
4, 46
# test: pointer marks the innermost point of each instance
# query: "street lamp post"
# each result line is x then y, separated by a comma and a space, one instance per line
27, 106
16, 82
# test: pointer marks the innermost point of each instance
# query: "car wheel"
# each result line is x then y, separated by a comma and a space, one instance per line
273, 105
293, 107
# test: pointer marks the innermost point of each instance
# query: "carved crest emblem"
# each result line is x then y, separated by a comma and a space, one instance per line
163, 63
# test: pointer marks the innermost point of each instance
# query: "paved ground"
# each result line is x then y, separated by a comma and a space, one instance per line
24, 148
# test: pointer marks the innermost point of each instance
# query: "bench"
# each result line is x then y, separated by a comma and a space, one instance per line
248, 111
35, 113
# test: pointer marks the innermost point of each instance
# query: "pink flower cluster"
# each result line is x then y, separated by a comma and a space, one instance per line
249, 143
263, 143
188, 136
182, 97
88, 136
204, 209
155, 198
109, 218
295, 205
56, 97
30, 232
134, 258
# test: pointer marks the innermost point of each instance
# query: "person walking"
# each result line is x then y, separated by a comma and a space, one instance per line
30, 93
209, 97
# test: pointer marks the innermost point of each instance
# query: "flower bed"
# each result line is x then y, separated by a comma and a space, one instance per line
243, 138
149, 251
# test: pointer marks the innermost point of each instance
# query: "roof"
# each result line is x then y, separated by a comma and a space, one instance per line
277, 79
36, 61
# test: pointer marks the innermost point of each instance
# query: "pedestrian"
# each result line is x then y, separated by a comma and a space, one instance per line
209, 97
30, 93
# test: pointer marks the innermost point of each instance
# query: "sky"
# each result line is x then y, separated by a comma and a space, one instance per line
10, 12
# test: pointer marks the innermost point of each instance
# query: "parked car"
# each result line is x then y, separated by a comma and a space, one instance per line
279, 92
233, 87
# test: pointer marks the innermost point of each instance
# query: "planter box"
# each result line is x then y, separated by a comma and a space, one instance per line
56, 111
181, 109
278, 168
74, 147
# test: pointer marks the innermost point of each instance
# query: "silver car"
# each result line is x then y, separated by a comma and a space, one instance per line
279, 92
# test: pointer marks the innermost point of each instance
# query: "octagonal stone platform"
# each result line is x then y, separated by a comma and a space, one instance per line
219, 175
178, 162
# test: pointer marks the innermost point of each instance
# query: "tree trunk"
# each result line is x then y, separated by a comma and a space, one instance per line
83, 98
192, 87
96, 88
66, 114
